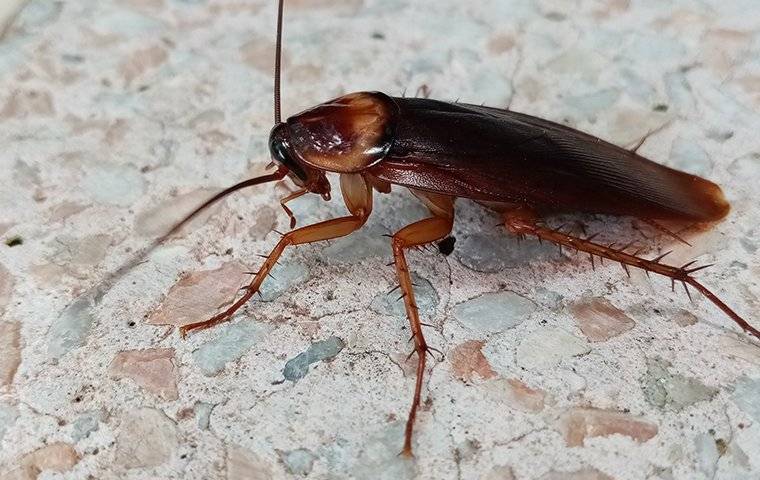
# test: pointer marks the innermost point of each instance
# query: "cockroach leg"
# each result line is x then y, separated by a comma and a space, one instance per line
337, 227
423, 91
288, 211
522, 222
659, 227
640, 142
357, 195
419, 233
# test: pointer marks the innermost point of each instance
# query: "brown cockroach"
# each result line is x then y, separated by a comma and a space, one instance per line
522, 167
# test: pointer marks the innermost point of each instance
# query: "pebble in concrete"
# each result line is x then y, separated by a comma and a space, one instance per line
6, 287
672, 391
468, 361
243, 464
546, 348
390, 303
147, 438
8, 416
494, 252
203, 414
599, 320
494, 312
578, 424
10, 346
283, 276
231, 343
746, 395
299, 461
86, 424
71, 328
198, 295
297, 368
152, 369
57, 457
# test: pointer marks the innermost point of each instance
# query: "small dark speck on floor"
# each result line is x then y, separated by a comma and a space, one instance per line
14, 241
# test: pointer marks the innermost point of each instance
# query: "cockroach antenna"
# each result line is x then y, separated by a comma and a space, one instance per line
278, 64
277, 175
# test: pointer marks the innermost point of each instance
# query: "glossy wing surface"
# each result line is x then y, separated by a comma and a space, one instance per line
494, 155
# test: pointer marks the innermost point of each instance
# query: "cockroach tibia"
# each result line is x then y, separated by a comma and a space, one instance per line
522, 167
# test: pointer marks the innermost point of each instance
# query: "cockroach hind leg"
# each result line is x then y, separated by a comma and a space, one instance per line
211, 322
526, 225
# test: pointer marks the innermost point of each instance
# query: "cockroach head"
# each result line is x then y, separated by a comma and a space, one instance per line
302, 175
345, 135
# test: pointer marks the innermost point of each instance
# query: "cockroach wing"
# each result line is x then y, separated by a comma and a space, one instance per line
504, 157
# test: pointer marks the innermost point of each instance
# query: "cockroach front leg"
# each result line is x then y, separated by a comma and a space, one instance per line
357, 195
420, 233
524, 223
288, 211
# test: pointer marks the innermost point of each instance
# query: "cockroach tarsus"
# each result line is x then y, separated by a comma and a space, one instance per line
522, 167
446, 246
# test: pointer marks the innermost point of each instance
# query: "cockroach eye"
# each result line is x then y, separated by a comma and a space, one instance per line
278, 148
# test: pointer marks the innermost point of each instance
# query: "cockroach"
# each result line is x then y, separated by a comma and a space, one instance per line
522, 167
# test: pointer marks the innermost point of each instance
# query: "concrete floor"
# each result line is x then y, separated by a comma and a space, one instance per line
116, 118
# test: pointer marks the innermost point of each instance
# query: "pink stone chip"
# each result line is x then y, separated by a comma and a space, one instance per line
584, 474
243, 464
521, 397
578, 424
56, 457
152, 369
199, 295
10, 346
599, 320
6, 288
142, 61
468, 361
684, 318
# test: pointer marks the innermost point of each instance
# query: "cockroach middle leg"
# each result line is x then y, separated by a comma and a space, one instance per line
523, 223
357, 195
419, 233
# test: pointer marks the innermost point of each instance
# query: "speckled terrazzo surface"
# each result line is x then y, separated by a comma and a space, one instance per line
117, 117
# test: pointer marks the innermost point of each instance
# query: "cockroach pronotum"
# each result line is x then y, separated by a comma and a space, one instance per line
521, 167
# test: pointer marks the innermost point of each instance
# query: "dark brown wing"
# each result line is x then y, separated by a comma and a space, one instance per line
494, 155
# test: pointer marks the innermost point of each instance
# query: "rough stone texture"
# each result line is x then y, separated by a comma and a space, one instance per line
152, 369
116, 118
